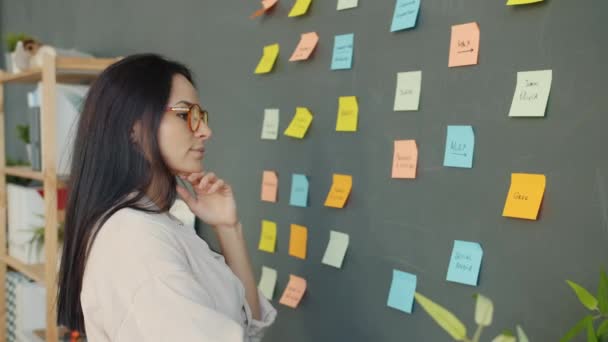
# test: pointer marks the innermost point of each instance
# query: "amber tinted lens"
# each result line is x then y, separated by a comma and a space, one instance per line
194, 117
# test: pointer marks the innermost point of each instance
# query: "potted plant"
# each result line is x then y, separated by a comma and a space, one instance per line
595, 323
11, 43
24, 135
36, 242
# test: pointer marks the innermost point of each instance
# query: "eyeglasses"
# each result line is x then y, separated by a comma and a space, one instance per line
195, 115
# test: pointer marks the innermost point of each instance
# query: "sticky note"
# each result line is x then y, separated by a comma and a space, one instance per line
336, 249
270, 186
299, 8
342, 57
401, 293
271, 52
297, 241
464, 45
348, 114
307, 44
531, 93
525, 196
459, 147
405, 15
268, 237
346, 4
270, 126
339, 192
293, 292
405, 159
299, 124
407, 92
465, 263
522, 2
299, 190
268, 281
266, 5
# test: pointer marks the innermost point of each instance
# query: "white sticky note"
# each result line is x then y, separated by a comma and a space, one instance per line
268, 281
346, 4
270, 126
407, 92
336, 249
531, 93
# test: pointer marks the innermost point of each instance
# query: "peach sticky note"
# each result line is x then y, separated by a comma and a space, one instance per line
293, 292
521, 2
268, 236
266, 5
269, 56
464, 45
297, 241
270, 185
405, 159
340, 189
525, 196
299, 8
348, 114
299, 124
307, 44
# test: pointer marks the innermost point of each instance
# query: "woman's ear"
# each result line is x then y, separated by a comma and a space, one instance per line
135, 134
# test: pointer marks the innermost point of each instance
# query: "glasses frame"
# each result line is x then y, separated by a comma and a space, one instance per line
204, 114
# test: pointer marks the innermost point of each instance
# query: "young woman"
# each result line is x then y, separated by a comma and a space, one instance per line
130, 271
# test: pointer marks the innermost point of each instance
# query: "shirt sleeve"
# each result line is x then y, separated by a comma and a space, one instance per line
257, 328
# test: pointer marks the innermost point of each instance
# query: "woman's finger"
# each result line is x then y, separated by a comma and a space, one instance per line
206, 181
216, 186
195, 177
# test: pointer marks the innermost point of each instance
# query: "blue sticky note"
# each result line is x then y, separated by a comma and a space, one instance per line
459, 147
343, 52
465, 263
401, 294
299, 190
405, 15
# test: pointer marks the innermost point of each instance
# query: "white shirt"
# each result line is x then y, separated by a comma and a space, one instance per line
149, 278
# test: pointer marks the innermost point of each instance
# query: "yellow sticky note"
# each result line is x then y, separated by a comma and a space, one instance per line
268, 237
307, 44
348, 114
271, 52
525, 196
299, 124
270, 185
299, 8
293, 292
405, 159
339, 192
297, 241
522, 2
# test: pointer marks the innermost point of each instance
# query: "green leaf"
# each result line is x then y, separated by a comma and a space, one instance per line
583, 295
602, 293
443, 317
521, 335
590, 331
576, 329
484, 310
504, 338
602, 330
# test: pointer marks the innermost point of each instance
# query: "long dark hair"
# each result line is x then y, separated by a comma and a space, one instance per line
108, 168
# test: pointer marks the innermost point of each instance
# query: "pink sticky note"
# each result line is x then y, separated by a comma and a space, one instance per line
405, 159
270, 185
294, 291
266, 5
464, 46
308, 42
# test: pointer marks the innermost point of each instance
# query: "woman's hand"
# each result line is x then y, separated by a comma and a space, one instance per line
214, 202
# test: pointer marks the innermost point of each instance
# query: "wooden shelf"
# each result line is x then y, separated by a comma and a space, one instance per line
69, 70
24, 172
34, 272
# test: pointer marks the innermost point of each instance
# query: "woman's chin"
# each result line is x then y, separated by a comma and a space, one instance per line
188, 170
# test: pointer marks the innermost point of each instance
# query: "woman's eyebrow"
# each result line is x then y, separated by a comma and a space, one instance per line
184, 102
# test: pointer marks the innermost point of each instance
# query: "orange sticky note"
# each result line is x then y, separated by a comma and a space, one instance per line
266, 5
293, 292
405, 159
297, 241
307, 44
340, 189
464, 45
270, 185
525, 196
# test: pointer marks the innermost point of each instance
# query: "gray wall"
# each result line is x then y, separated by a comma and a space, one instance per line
408, 225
